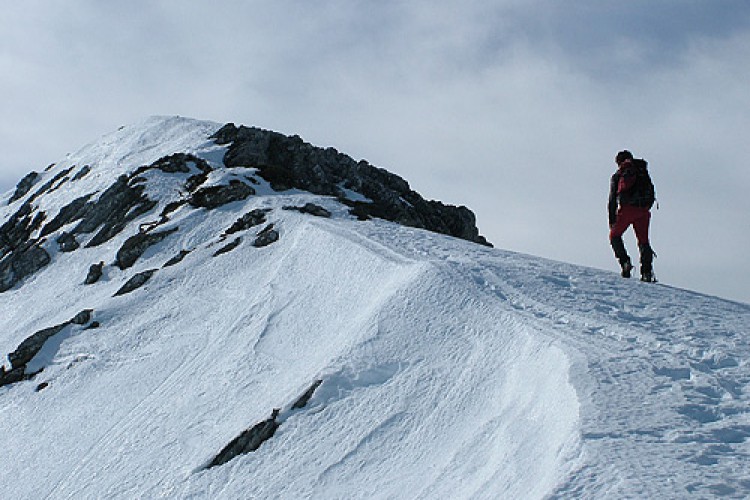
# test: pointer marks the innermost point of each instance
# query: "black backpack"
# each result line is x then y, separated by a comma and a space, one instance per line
643, 193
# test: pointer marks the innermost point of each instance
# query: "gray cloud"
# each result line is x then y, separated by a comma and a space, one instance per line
514, 108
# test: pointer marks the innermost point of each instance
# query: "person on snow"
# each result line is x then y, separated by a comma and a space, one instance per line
631, 196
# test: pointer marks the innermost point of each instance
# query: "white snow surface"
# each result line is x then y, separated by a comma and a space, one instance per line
449, 369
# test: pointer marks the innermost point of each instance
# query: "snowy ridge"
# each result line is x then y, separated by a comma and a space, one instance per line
448, 369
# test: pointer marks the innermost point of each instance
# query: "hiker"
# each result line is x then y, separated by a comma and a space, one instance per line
631, 196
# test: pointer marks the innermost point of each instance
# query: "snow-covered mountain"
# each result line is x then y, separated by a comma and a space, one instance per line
192, 310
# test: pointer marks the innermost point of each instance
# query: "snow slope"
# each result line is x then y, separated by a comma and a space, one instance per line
449, 370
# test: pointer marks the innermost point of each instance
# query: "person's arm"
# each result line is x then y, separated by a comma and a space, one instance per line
612, 203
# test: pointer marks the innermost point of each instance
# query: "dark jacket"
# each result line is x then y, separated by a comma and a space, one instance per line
630, 185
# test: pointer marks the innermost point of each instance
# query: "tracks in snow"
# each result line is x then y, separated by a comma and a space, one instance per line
662, 373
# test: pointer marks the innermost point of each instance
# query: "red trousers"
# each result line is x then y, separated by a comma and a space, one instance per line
639, 217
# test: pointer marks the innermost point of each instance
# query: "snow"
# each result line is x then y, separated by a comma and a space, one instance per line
450, 370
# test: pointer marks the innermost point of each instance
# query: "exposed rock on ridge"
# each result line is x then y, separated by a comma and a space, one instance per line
31, 346
289, 162
251, 439
284, 162
24, 186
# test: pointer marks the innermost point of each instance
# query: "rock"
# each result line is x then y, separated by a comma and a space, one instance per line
71, 212
24, 186
118, 205
267, 236
305, 398
135, 282
195, 181
20, 264
17, 230
12, 376
176, 259
250, 219
82, 317
181, 162
41, 386
280, 178
249, 441
20, 256
67, 242
54, 183
29, 348
216, 196
134, 246
229, 247
171, 207
95, 272
310, 208
289, 162
81, 173
26, 351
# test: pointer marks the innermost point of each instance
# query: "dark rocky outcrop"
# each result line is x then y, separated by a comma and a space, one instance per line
267, 236
13, 375
24, 186
195, 181
134, 246
118, 205
51, 185
71, 212
173, 164
305, 398
249, 441
26, 351
105, 216
81, 173
17, 230
253, 218
182, 163
94, 274
288, 162
135, 282
310, 208
82, 317
177, 258
171, 207
20, 254
67, 242
21, 263
29, 348
228, 247
215, 196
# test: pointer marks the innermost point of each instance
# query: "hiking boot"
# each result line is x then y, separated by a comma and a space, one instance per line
648, 276
647, 258
626, 268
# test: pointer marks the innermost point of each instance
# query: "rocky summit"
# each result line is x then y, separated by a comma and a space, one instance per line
250, 155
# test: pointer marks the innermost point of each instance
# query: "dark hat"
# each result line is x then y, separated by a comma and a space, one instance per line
623, 155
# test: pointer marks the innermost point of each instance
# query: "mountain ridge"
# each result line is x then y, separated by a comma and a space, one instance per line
343, 358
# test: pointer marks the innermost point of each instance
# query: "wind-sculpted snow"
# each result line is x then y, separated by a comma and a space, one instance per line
394, 362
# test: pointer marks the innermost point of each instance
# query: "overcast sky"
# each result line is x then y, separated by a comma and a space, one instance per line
514, 108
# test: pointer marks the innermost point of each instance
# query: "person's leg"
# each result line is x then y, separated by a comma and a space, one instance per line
640, 222
640, 226
618, 245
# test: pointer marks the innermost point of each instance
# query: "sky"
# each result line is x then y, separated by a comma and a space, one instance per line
513, 108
